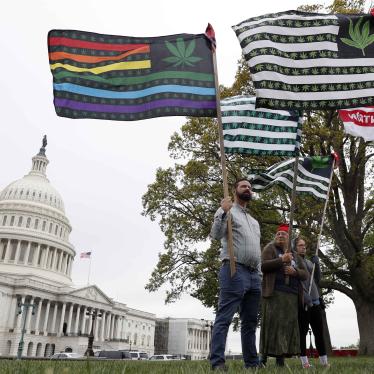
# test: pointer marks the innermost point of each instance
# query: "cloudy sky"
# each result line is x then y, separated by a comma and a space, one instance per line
102, 168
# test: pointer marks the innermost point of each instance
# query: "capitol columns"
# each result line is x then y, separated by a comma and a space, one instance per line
122, 327
53, 328
7, 251
45, 257
12, 313
61, 328
84, 320
26, 259
54, 260
18, 252
65, 263
68, 330
103, 323
19, 316
112, 327
96, 332
77, 320
36, 255
38, 312
108, 326
90, 320
59, 259
46, 316
29, 313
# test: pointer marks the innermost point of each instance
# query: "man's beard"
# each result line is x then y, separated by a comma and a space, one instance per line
245, 196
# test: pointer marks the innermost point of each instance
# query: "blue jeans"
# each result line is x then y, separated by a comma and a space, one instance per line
240, 293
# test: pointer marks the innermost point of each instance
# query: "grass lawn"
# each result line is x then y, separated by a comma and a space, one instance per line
356, 365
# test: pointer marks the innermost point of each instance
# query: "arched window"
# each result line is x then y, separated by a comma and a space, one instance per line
44, 224
29, 349
20, 219
12, 221
8, 347
28, 222
36, 223
4, 220
38, 350
50, 227
47, 350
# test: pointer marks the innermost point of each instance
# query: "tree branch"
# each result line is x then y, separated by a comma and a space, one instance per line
338, 287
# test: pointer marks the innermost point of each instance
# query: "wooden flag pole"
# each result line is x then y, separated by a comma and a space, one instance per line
293, 198
230, 245
322, 223
292, 211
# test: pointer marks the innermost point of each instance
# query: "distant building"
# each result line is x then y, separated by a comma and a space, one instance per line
188, 337
36, 260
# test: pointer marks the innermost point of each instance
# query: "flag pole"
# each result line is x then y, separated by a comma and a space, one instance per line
89, 270
322, 223
210, 35
292, 211
293, 198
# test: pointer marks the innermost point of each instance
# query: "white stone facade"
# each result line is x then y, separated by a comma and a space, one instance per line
36, 261
190, 337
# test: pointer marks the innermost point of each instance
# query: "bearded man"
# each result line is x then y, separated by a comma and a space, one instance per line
242, 291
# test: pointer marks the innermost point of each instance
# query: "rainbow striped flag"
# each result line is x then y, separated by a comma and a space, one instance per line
127, 78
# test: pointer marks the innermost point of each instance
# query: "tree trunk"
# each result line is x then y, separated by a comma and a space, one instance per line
365, 319
326, 334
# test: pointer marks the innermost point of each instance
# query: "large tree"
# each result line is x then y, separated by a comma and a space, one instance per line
185, 197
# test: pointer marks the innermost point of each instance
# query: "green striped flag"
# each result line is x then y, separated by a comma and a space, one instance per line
248, 130
310, 61
313, 176
126, 78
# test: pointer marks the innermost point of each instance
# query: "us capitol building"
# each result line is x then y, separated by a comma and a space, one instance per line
36, 261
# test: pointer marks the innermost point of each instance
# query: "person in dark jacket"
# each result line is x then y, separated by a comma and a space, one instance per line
311, 312
281, 292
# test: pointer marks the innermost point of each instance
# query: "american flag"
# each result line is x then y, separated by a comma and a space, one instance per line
85, 255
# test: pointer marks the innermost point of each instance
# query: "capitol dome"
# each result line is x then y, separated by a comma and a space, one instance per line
34, 231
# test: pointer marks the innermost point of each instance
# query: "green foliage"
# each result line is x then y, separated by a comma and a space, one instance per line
346, 6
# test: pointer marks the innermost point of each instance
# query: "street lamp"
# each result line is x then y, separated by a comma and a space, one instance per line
209, 324
22, 309
94, 314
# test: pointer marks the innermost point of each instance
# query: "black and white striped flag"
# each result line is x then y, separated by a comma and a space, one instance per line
248, 130
313, 176
306, 61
